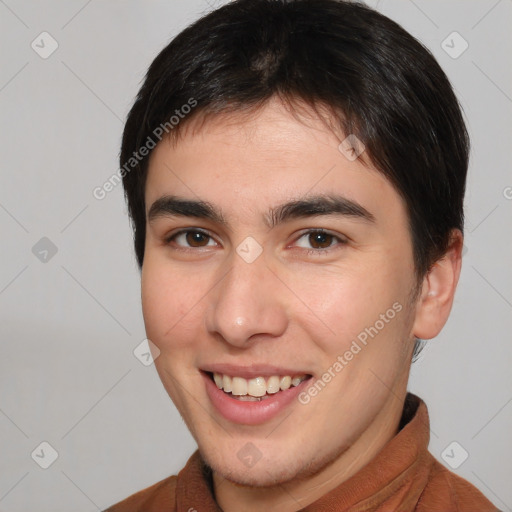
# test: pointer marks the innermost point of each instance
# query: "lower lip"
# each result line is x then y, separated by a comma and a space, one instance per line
250, 413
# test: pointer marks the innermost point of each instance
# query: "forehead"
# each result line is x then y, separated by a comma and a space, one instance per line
247, 161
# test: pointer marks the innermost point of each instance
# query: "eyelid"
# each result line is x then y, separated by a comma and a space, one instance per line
341, 239
169, 237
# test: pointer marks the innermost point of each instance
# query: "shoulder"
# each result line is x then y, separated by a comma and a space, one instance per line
447, 491
159, 496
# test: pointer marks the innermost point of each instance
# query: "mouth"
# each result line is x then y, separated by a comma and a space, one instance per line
253, 399
257, 388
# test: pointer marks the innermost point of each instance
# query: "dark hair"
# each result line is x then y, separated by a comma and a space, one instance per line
378, 82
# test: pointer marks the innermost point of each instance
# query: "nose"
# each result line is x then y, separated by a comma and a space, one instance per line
248, 303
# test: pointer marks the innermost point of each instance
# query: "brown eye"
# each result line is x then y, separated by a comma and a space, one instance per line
196, 239
319, 240
189, 238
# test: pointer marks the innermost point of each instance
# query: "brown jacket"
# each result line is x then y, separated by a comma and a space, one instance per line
403, 477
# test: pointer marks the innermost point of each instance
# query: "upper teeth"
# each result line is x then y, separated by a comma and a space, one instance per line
256, 387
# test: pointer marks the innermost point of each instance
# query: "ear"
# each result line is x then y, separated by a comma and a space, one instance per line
438, 289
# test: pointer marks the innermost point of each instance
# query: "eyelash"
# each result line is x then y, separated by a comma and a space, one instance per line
339, 241
172, 237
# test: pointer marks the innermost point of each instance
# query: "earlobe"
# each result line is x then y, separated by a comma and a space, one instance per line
438, 289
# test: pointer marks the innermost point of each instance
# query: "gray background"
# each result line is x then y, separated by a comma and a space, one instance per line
70, 323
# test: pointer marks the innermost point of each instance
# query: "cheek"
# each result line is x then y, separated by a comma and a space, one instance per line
367, 302
168, 304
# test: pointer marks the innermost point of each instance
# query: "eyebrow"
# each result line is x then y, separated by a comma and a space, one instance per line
171, 206
318, 206
311, 206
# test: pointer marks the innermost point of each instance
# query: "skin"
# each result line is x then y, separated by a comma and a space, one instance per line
297, 305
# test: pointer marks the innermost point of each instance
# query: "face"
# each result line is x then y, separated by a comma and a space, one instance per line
282, 270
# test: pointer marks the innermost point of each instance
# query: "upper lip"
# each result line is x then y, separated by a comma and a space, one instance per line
252, 371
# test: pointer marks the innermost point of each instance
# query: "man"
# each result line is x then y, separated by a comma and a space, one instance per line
295, 173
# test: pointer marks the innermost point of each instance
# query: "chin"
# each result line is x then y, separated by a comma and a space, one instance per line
267, 472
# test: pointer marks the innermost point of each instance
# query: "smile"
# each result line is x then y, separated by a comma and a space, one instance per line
253, 400
256, 389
